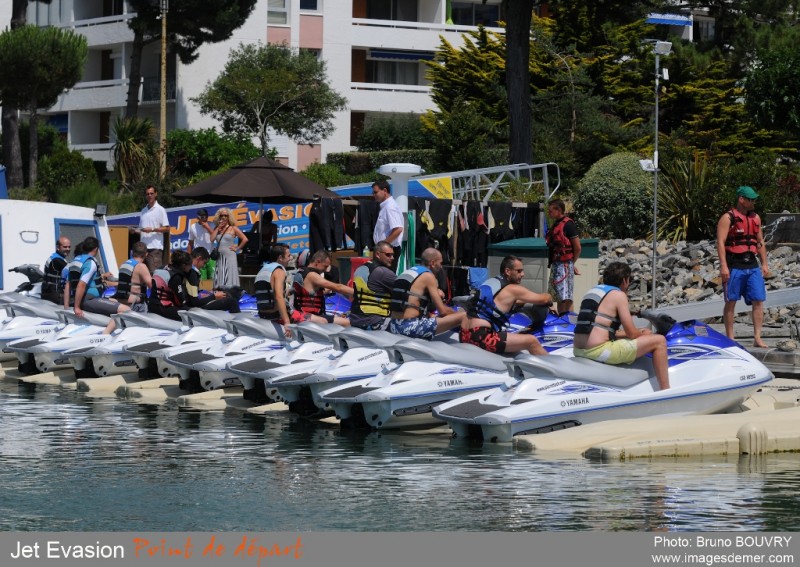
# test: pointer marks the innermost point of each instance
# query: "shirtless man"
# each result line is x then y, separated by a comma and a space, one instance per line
488, 316
415, 293
603, 310
309, 287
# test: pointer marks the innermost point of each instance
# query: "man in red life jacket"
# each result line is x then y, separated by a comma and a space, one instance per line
740, 246
564, 249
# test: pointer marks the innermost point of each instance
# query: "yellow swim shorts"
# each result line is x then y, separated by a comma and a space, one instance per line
622, 351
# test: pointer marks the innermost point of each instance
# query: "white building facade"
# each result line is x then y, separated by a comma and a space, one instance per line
374, 51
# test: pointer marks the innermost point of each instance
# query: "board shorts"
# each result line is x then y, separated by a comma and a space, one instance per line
416, 328
562, 280
485, 338
298, 316
621, 351
100, 305
747, 283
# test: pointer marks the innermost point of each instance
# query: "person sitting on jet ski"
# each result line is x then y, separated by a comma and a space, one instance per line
372, 290
489, 312
414, 293
54, 280
89, 291
218, 300
309, 287
168, 295
134, 279
270, 287
603, 310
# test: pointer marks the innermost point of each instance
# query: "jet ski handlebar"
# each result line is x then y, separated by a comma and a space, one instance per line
662, 322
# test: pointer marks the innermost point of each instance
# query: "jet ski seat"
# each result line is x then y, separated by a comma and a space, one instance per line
460, 354
196, 317
256, 327
149, 320
310, 332
352, 337
88, 318
581, 369
39, 309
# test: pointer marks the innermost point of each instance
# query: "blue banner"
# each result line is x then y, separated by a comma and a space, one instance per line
292, 221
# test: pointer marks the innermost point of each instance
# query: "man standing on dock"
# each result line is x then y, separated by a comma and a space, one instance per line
740, 246
153, 223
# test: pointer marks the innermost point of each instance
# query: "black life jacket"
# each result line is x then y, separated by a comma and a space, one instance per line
265, 295
53, 282
74, 270
124, 286
401, 292
590, 311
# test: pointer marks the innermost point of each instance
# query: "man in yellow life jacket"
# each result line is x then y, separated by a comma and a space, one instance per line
740, 246
372, 290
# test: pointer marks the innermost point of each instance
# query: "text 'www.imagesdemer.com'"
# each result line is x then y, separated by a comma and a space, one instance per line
734, 550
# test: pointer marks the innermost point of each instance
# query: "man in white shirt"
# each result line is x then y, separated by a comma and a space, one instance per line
389, 226
153, 223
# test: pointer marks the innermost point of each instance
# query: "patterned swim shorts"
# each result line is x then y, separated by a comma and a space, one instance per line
417, 328
485, 338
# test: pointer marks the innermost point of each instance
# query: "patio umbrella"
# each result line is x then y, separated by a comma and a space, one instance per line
263, 180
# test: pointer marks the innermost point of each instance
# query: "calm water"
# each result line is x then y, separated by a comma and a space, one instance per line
72, 463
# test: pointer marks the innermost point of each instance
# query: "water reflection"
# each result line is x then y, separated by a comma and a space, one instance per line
71, 463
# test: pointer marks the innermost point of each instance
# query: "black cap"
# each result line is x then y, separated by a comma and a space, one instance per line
202, 213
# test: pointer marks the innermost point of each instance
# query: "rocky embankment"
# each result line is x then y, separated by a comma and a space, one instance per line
688, 272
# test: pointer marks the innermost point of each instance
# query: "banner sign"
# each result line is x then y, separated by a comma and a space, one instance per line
292, 221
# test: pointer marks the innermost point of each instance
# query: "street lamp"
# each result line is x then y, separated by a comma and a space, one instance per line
163, 109
660, 48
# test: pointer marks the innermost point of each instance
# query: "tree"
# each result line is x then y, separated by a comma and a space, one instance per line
772, 89
38, 65
273, 87
190, 23
518, 77
190, 152
135, 151
12, 154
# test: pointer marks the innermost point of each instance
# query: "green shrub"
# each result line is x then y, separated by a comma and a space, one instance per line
330, 175
62, 170
361, 163
614, 198
395, 132
192, 151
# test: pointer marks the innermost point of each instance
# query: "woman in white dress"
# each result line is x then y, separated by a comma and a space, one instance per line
224, 237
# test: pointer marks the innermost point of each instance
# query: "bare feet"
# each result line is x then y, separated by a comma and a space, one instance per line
760, 344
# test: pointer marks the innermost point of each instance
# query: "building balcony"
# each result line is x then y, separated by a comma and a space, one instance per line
93, 95
406, 36
151, 90
382, 97
96, 152
110, 30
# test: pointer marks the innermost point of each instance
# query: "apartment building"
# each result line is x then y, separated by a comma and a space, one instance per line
374, 50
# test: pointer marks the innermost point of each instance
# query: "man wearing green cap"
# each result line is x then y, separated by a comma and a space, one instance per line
740, 246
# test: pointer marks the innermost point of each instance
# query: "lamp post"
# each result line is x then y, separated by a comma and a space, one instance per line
660, 48
163, 103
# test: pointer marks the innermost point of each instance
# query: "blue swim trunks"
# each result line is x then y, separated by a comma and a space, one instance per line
417, 328
747, 282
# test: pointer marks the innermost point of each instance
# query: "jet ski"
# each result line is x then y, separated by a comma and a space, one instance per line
109, 357
197, 326
422, 374
43, 354
708, 373
26, 318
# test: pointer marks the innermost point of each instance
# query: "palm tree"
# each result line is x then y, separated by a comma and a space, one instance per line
135, 151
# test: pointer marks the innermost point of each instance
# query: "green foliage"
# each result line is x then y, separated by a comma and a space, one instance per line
614, 198
332, 175
190, 152
38, 64
365, 163
62, 170
135, 152
688, 206
90, 192
394, 132
772, 89
273, 86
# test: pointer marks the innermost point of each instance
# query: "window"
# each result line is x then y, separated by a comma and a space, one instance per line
704, 30
310, 5
277, 12
472, 14
399, 10
392, 72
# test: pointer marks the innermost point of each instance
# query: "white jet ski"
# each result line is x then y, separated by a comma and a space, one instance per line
204, 367
312, 347
708, 373
197, 326
27, 319
48, 351
110, 357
